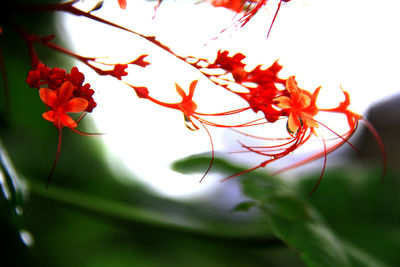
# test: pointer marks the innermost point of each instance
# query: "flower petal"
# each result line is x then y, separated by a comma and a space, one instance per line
310, 122
122, 4
76, 104
292, 87
49, 115
180, 91
65, 92
192, 87
283, 102
294, 123
305, 100
49, 97
68, 121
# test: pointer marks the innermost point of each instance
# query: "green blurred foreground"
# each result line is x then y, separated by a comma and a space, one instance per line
91, 219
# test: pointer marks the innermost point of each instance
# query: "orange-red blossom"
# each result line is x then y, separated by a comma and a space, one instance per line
61, 102
300, 105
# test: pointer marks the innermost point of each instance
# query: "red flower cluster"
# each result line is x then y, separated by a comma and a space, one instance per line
65, 93
55, 77
263, 91
261, 96
259, 87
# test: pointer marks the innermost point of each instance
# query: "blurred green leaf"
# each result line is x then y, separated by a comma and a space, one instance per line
328, 228
244, 206
361, 210
128, 214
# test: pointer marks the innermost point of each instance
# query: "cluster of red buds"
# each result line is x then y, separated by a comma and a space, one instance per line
54, 78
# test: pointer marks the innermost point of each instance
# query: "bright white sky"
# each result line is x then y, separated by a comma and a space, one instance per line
321, 42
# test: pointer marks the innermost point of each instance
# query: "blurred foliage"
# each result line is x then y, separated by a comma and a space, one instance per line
349, 221
89, 217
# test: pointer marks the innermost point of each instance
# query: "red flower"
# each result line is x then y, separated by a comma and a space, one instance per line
55, 77
300, 105
187, 106
61, 102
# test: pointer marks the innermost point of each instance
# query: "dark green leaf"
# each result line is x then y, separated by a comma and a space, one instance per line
244, 206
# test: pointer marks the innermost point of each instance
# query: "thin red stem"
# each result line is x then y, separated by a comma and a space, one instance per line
212, 152
164, 104
273, 20
318, 155
323, 170
53, 167
341, 137
231, 112
246, 171
263, 138
81, 117
86, 134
